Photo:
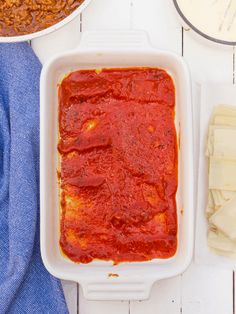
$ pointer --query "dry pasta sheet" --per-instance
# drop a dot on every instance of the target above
(216, 193)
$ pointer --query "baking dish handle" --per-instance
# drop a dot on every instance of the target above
(114, 289)
(125, 39)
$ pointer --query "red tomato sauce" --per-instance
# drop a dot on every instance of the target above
(119, 165)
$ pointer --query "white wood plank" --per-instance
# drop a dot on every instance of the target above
(208, 61)
(158, 18)
(107, 14)
(45, 47)
(165, 299)
(101, 307)
(71, 293)
(102, 15)
(63, 39)
(207, 290)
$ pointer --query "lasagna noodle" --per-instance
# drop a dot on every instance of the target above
(221, 206)
(222, 174)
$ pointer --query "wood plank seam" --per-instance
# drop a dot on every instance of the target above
(233, 271)
(233, 292)
(131, 14)
(81, 23)
(77, 298)
(233, 65)
(181, 288)
(181, 276)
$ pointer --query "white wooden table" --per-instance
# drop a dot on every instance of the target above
(200, 290)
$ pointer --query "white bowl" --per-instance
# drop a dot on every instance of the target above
(66, 20)
(213, 20)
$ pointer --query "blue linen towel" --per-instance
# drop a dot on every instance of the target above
(25, 285)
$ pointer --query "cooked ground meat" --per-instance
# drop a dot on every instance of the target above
(18, 17)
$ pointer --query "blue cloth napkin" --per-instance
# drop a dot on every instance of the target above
(25, 285)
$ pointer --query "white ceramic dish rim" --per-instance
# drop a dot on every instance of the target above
(46, 31)
(135, 279)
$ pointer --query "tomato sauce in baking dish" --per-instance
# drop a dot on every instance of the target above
(119, 165)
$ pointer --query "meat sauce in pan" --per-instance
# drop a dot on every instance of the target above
(20, 17)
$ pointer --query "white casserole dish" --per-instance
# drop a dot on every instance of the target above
(48, 30)
(99, 50)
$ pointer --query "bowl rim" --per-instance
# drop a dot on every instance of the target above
(48, 30)
(213, 39)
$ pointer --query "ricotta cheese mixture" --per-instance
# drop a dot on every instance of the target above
(214, 18)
